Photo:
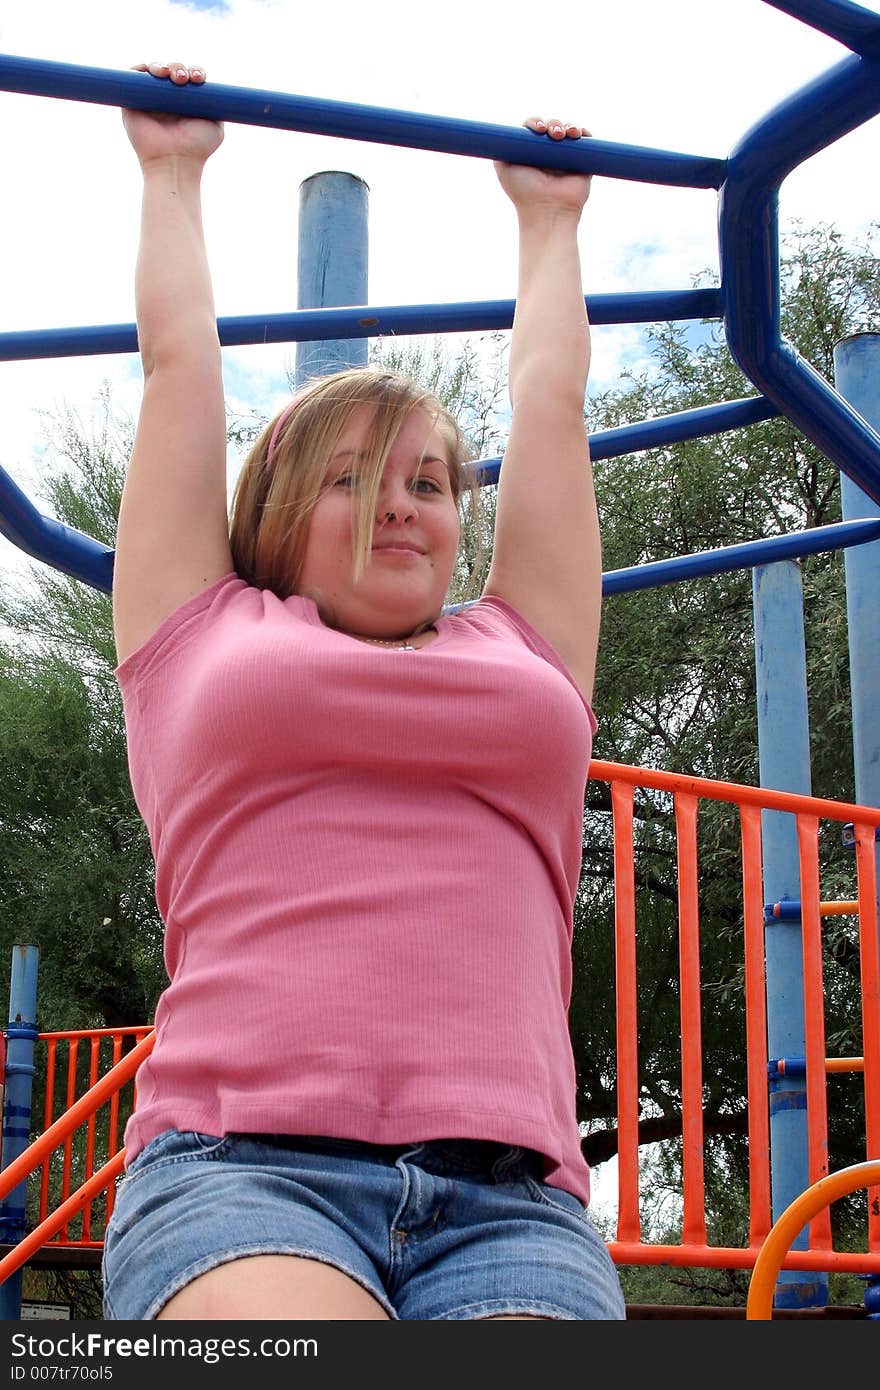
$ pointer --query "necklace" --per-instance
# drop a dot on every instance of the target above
(390, 642)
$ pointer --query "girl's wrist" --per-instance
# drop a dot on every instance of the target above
(544, 217)
(173, 166)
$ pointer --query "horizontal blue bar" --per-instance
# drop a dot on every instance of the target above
(728, 558)
(850, 24)
(787, 1066)
(363, 321)
(665, 429)
(788, 910)
(346, 121)
(21, 1030)
(84, 558)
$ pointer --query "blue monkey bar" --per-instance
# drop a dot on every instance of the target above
(748, 303)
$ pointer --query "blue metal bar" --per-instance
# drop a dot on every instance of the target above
(728, 558)
(374, 124)
(827, 108)
(665, 429)
(702, 421)
(364, 321)
(786, 1066)
(332, 267)
(852, 25)
(857, 373)
(86, 559)
(21, 1036)
(784, 763)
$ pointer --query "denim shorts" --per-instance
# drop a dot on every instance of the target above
(449, 1229)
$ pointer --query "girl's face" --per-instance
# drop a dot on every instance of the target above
(415, 540)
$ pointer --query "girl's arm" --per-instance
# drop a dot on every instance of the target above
(546, 559)
(173, 535)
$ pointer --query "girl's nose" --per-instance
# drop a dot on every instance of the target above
(395, 504)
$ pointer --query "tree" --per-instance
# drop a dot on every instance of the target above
(75, 865)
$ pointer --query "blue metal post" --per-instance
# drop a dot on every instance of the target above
(332, 265)
(857, 376)
(784, 761)
(21, 1034)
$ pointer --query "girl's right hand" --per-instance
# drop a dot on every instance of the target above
(158, 134)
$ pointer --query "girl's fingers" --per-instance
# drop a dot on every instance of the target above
(555, 128)
(178, 72)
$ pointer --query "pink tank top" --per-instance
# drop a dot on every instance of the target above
(366, 861)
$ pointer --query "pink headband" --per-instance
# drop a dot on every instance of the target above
(279, 426)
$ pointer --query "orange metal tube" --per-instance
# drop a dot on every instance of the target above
(48, 1109)
(759, 1305)
(130, 1029)
(90, 1138)
(814, 1020)
(869, 951)
(694, 1211)
(73, 1051)
(847, 908)
(760, 1210)
(628, 1219)
(741, 795)
(844, 1064)
(735, 1257)
(113, 1130)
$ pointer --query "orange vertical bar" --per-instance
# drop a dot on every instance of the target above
(95, 1047)
(760, 1206)
(628, 1222)
(73, 1047)
(694, 1211)
(869, 949)
(113, 1130)
(814, 1020)
(48, 1116)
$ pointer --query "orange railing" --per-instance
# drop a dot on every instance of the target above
(77, 1122)
(688, 796)
(64, 1085)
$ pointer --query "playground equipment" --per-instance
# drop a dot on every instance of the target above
(787, 1128)
(790, 1222)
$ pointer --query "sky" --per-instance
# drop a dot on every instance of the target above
(686, 75)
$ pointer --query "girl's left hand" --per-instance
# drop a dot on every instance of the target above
(527, 186)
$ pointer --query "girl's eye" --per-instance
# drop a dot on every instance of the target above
(427, 483)
(347, 480)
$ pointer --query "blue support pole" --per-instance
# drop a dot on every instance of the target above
(21, 1035)
(332, 265)
(857, 377)
(784, 762)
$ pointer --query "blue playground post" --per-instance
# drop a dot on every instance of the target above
(857, 374)
(332, 265)
(784, 762)
(21, 1034)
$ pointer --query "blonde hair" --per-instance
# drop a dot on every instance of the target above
(284, 474)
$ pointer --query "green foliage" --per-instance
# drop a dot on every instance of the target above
(75, 865)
